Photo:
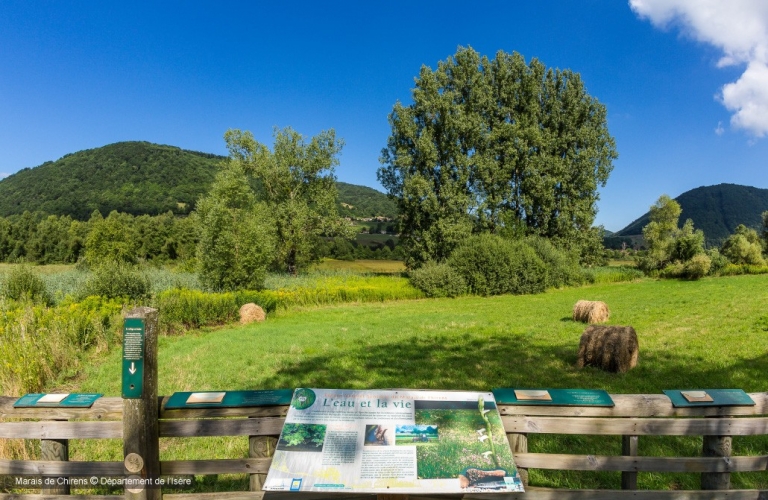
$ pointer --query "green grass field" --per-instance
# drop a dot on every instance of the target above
(711, 333)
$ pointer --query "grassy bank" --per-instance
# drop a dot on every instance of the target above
(706, 334)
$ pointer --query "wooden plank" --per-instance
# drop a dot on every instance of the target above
(221, 495)
(235, 466)
(260, 411)
(637, 426)
(629, 449)
(61, 430)
(269, 426)
(102, 409)
(55, 450)
(16, 496)
(53, 468)
(562, 494)
(641, 464)
(641, 405)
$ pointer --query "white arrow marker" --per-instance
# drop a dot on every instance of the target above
(132, 369)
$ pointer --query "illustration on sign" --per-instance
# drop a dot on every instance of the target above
(393, 442)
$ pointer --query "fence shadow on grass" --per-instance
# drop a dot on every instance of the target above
(481, 363)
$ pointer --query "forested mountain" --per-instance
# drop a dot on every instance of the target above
(716, 210)
(361, 201)
(131, 177)
(139, 178)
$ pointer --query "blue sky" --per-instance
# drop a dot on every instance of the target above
(83, 74)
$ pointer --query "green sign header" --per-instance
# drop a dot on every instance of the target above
(709, 397)
(553, 397)
(230, 399)
(69, 401)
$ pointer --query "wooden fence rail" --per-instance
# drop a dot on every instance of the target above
(635, 416)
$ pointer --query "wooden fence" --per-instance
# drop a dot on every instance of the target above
(633, 417)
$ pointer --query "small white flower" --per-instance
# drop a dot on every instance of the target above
(486, 454)
(481, 431)
(483, 438)
(485, 411)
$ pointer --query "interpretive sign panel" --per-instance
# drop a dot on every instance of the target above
(228, 399)
(394, 442)
(56, 400)
(133, 358)
(709, 397)
(553, 397)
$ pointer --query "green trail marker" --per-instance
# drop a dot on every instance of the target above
(133, 358)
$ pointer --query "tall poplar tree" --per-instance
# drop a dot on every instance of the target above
(496, 146)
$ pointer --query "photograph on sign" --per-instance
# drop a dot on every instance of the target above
(393, 442)
(52, 398)
(206, 397)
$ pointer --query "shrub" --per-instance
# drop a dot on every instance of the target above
(673, 270)
(116, 280)
(744, 249)
(612, 274)
(697, 267)
(491, 265)
(23, 284)
(562, 269)
(185, 309)
(717, 261)
(438, 280)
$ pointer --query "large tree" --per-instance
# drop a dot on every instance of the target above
(500, 146)
(296, 182)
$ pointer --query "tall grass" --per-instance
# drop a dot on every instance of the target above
(601, 275)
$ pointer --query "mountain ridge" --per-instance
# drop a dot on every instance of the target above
(140, 177)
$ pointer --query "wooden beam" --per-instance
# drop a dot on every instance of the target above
(61, 430)
(637, 426)
(234, 466)
(550, 461)
(269, 426)
(53, 468)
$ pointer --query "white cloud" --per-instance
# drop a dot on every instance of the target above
(719, 130)
(739, 28)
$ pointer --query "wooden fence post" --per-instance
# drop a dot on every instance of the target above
(519, 444)
(56, 450)
(716, 446)
(141, 445)
(629, 449)
(260, 447)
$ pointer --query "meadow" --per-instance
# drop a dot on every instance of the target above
(711, 333)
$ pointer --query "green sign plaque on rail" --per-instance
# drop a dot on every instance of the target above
(133, 358)
(228, 399)
(553, 397)
(73, 400)
(709, 397)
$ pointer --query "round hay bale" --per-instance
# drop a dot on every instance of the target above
(591, 311)
(251, 312)
(610, 348)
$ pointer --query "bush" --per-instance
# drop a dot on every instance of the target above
(438, 280)
(491, 265)
(562, 269)
(116, 280)
(697, 267)
(186, 309)
(673, 270)
(717, 261)
(619, 274)
(23, 284)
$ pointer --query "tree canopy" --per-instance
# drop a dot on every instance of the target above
(496, 146)
(295, 182)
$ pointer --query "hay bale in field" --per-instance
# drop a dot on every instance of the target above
(610, 348)
(591, 311)
(251, 312)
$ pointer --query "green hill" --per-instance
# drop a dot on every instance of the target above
(140, 178)
(716, 210)
(132, 177)
(361, 201)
